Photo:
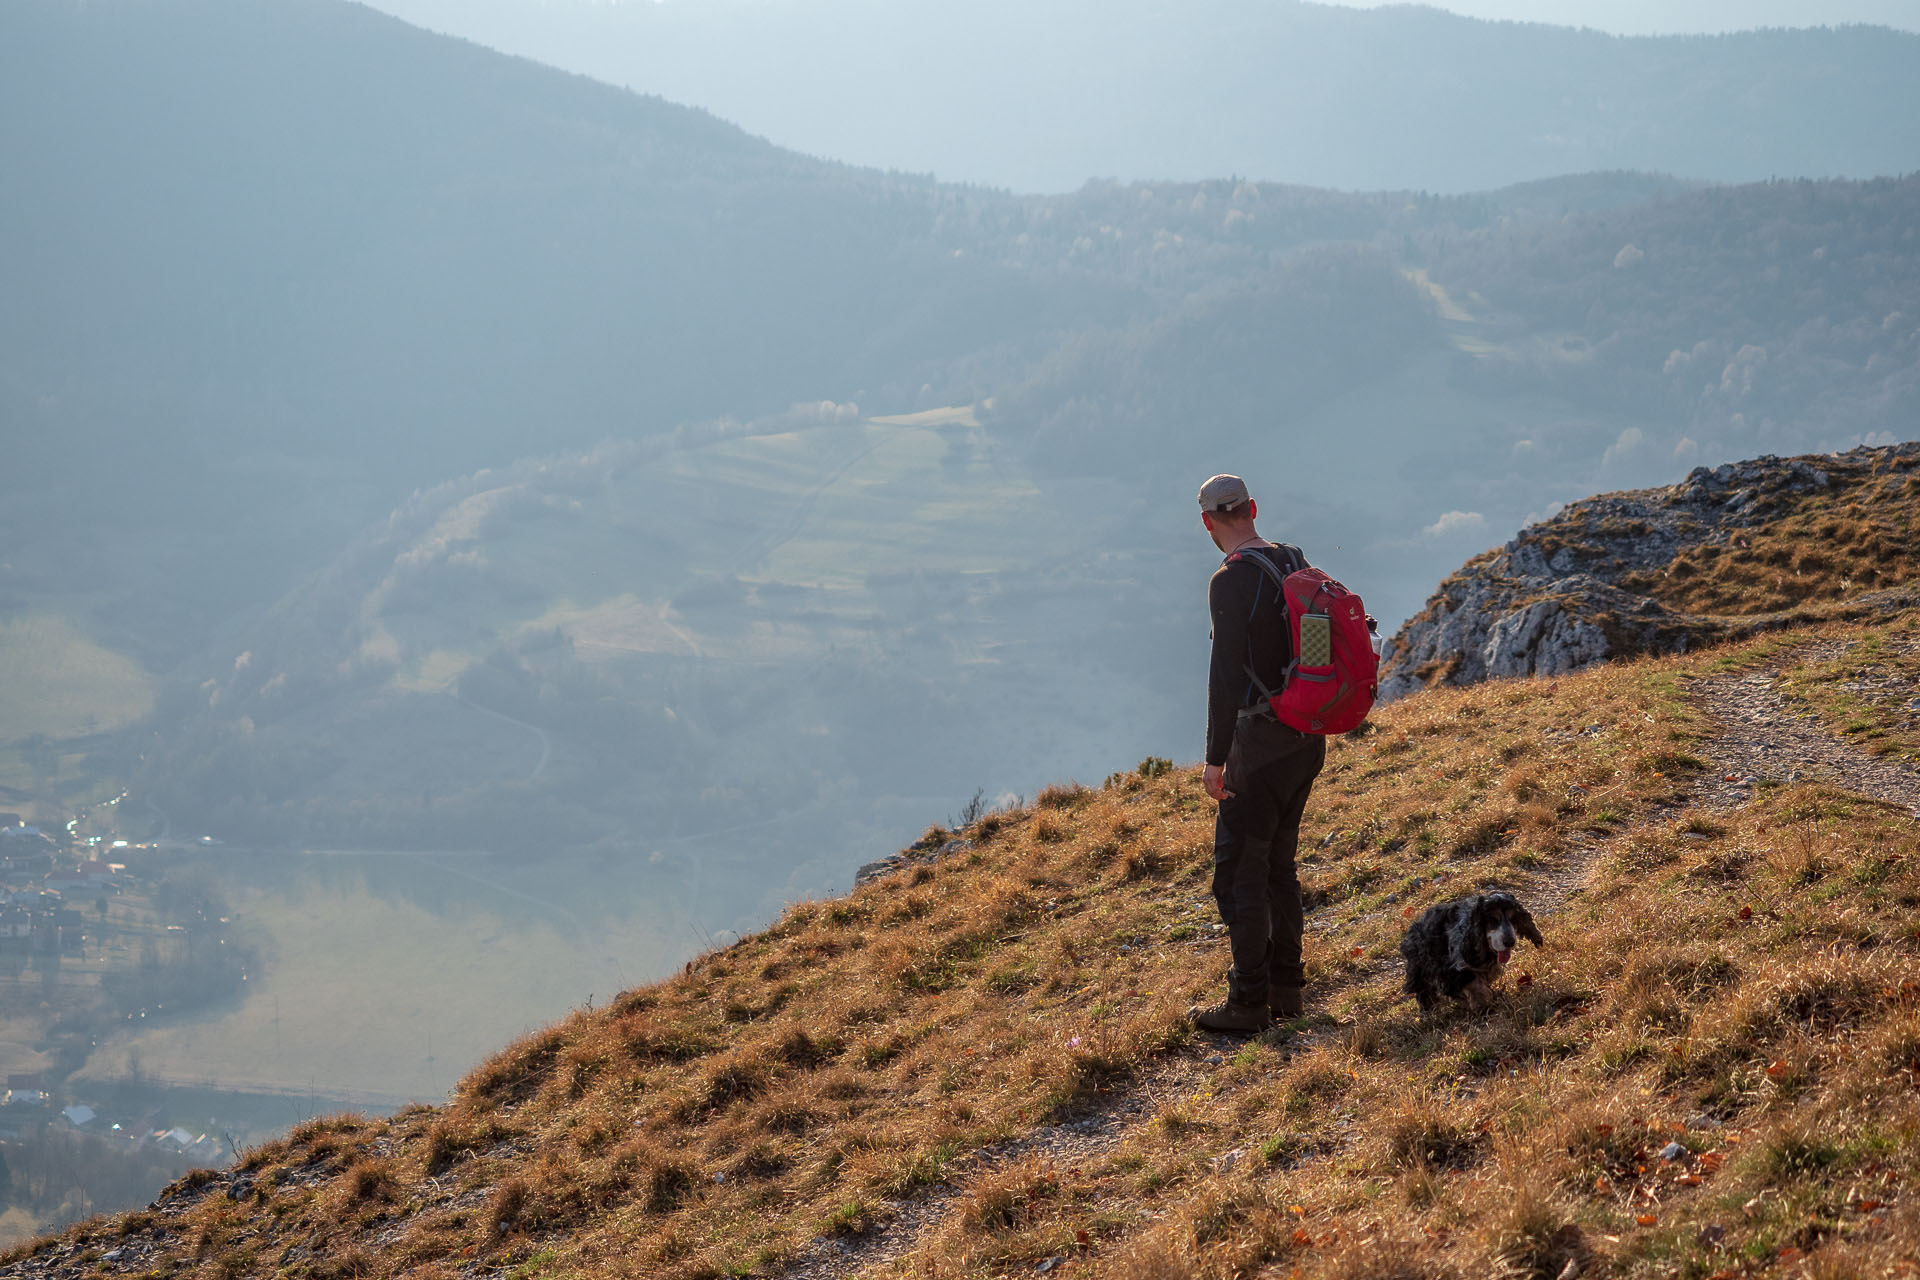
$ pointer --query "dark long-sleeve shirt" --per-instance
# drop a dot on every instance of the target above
(1249, 629)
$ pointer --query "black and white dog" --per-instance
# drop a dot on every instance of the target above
(1456, 949)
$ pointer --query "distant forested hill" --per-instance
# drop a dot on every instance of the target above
(1765, 318)
(1741, 318)
(1460, 367)
(272, 269)
(1043, 96)
(281, 263)
(301, 217)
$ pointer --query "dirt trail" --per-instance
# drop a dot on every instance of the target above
(1766, 737)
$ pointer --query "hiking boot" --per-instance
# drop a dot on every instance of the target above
(1286, 1003)
(1231, 1018)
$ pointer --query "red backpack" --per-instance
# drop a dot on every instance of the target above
(1334, 676)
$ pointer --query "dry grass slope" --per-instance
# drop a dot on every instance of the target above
(1713, 1069)
(1857, 535)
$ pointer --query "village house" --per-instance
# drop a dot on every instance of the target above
(202, 1147)
(91, 876)
(25, 850)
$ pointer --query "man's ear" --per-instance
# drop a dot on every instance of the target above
(1253, 509)
(1206, 519)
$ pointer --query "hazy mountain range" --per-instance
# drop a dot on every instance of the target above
(1044, 96)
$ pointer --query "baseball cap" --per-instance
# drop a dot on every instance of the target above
(1221, 492)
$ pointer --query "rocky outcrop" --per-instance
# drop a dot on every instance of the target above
(1586, 585)
(912, 856)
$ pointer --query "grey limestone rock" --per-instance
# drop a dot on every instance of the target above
(882, 867)
(1543, 639)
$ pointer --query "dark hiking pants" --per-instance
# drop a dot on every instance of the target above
(1254, 881)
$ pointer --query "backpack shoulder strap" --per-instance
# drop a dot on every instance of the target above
(1288, 554)
(1294, 561)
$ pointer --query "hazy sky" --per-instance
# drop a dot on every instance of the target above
(1659, 17)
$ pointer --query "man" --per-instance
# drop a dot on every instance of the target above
(1259, 769)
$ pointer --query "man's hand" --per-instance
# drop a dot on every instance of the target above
(1214, 779)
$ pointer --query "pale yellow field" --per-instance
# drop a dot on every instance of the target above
(56, 681)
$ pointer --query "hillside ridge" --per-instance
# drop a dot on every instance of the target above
(1289, 89)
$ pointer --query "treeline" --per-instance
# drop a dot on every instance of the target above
(1757, 319)
(1773, 316)
(1222, 365)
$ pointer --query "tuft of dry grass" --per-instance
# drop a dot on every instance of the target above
(370, 1179)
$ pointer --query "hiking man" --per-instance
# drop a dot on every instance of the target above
(1259, 769)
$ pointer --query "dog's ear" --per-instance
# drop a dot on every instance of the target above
(1524, 925)
(1467, 932)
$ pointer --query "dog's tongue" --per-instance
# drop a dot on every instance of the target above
(1505, 955)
